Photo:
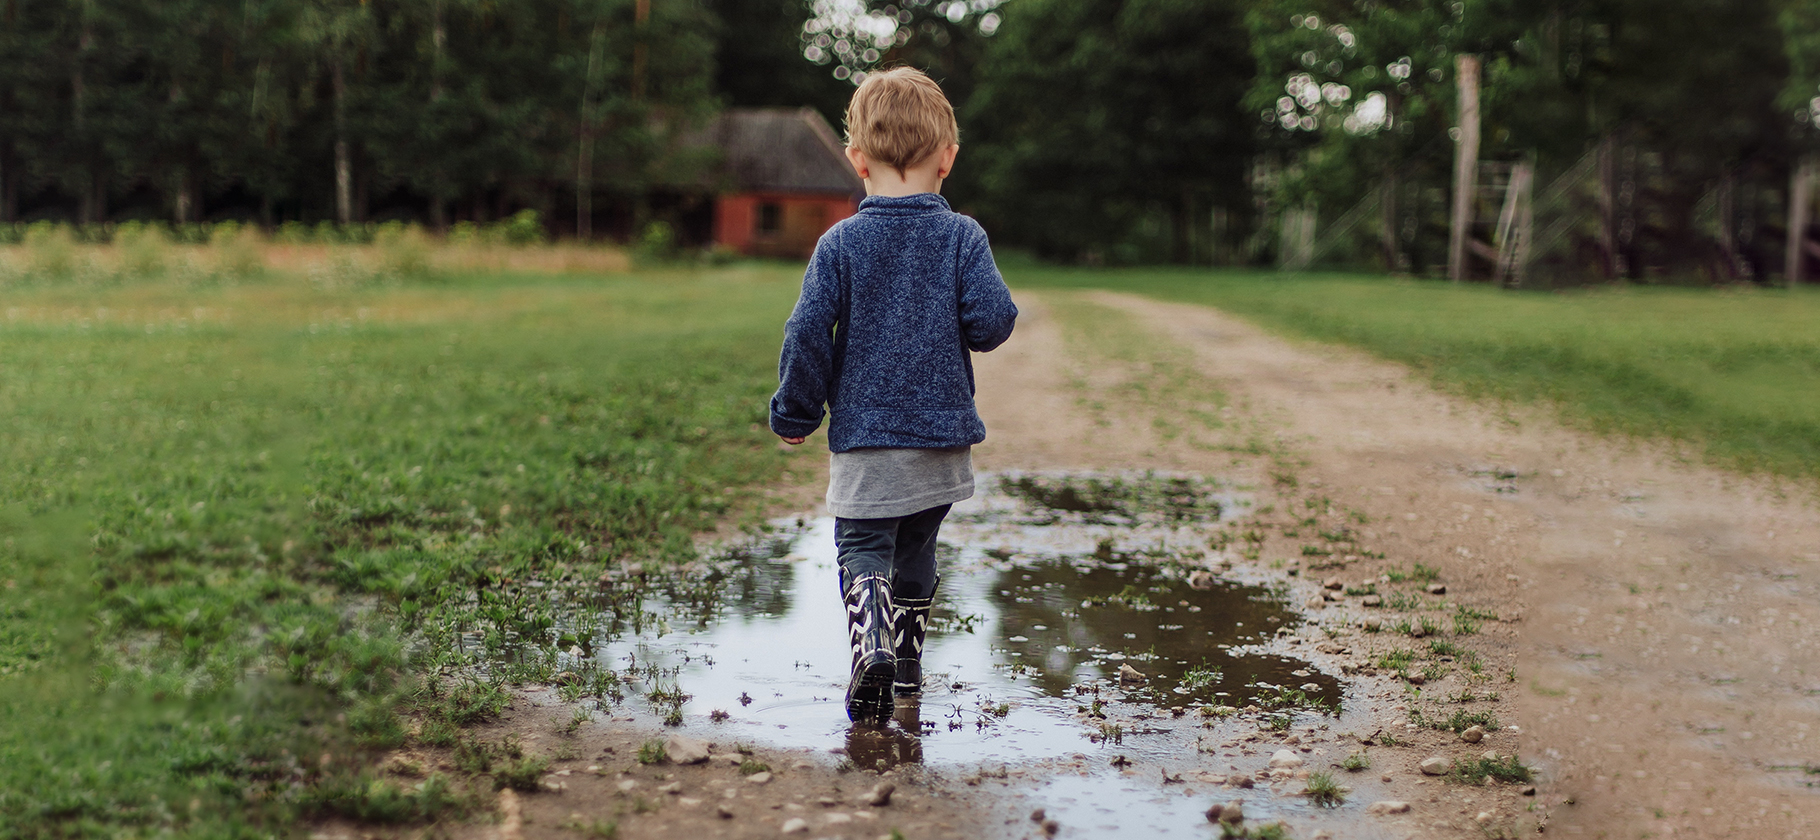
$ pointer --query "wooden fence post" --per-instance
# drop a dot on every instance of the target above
(1466, 164)
(1514, 226)
(1800, 204)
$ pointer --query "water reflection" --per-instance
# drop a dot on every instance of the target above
(1038, 613)
(1065, 621)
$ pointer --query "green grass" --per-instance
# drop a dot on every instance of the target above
(1476, 771)
(244, 525)
(1734, 372)
(1323, 790)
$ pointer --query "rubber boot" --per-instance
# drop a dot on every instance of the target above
(868, 599)
(910, 626)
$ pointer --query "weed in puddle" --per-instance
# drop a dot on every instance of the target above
(1200, 677)
(1323, 790)
(1478, 770)
(651, 752)
(1356, 762)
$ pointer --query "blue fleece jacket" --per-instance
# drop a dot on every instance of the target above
(894, 298)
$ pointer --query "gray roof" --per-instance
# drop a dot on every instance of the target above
(781, 150)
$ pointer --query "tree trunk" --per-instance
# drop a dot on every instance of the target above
(1182, 244)
(1800, 206)
(641, 16)
(78, 117)
(182, 200)
(1387, 219)
(1466, 165)
(439, 39)
(584, 152)
(344, 166)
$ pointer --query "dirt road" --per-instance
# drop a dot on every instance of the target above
(1667, 676)
(1638, 624)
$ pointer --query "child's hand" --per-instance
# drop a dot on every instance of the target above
(793, 441)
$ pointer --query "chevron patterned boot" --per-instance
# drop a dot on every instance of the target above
(868, 600)
(910, 625)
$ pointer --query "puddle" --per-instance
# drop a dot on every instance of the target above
(1050, 585)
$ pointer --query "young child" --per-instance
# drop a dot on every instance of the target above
(893, 300)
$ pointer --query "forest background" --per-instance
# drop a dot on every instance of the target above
(1663, 133)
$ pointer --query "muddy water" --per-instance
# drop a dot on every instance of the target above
(1050, 585)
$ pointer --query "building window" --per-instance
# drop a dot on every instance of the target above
(770, 219)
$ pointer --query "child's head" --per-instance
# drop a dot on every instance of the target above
(899, 118)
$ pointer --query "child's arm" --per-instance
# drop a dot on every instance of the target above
(987, 313)
(806, 365)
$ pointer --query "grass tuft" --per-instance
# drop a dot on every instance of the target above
(1323, 790)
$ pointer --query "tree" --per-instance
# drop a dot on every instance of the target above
(1091, 117)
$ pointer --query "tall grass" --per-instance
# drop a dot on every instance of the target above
(242, 524)
(1735, 372)
(44, 253)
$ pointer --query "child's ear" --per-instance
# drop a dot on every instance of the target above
(947, 160)
(858, 159)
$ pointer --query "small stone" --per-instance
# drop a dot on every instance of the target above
(1436, 765)
(1529, 791)
(1314, 601)
(1489, 755)
(724, 811)
(1372, 600)
(796, 825)
(827, 802)
(687, 801)
(1202, 579)
(759, 779)
(1130, 674)
(1285, 760)
(1242, 780)
(683, 750)
(838, 818)
(1329, 595)
(1320, 834)
(1050, 827)
(1484, 818)
(1388, 806)
(1213, 812)
(1473, 734)
(1038, 815)
(1437, 589)
(566, 678)
(881, 794)
(1385, 778)
(671, 788)
(628, 785)
(1233, 813)
(734, 759)
(1416, 679)
(1333, 583)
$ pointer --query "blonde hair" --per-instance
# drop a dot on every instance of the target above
(899, 117)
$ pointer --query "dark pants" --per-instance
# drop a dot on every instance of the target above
(900, 546)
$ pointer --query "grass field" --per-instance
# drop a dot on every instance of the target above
(246, 515)
(241, 522)
(1736, 373)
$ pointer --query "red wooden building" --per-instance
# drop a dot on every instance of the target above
(785, 181)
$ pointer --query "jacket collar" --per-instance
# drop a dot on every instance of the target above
(904, 205)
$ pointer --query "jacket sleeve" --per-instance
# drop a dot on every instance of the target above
(987, 313)
(805, 368)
